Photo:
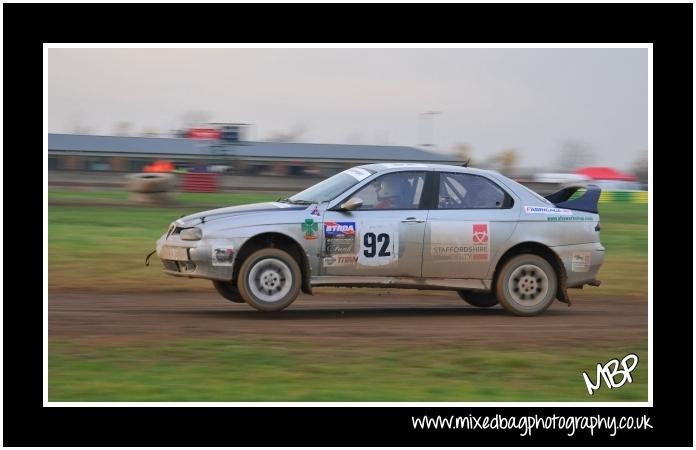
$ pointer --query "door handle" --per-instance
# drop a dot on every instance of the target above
(412, 220)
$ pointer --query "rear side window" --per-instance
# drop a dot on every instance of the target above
(465, 191)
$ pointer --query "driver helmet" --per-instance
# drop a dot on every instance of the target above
(388, 188)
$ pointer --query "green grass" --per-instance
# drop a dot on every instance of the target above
(243, 371)
(103, 248)
(183, 199)
(624, 229)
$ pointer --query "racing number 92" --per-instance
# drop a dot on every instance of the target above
(370, 241)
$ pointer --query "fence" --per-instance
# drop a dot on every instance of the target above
(623, 197)
(200, 182)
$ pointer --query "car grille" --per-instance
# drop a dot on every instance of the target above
(170, 265)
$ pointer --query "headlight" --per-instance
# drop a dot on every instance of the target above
(191, 234)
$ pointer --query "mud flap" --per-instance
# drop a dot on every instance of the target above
(306, 284)
(562, 292)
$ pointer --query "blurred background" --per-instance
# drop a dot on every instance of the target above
(541, 116)
(140, 137)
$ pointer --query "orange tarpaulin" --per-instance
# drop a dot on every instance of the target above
(160, 166)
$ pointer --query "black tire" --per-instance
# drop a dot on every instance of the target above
(479, 299)
(147, 183)
(228, 290)
(276, 277)
(526, 285)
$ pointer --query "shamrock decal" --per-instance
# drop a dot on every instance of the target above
(309, 228)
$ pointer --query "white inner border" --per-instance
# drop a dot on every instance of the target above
(649, 403)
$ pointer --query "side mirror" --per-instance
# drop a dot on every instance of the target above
(351, 204)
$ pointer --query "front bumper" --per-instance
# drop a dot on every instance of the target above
(196, 259)
(582, 263)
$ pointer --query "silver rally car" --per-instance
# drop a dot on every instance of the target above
(404, 225)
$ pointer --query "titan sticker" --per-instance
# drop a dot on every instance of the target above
(340, 260)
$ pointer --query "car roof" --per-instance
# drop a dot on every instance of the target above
(381, 167)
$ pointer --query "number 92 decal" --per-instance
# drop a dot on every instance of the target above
(371, 241)
(379, 244)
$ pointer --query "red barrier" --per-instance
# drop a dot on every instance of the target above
(200, 182)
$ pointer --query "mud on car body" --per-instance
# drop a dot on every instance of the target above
(404, 225)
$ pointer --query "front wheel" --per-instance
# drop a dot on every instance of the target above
(526, 285)
(269, 279)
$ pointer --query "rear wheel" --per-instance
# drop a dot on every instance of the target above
(526, 285)
(478, 299)
(269, 279)
(228, 290)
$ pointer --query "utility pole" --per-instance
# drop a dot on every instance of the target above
(430, 140)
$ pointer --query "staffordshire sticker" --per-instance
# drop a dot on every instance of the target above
(460, 241)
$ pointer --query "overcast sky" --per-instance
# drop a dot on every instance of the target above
(531, 100)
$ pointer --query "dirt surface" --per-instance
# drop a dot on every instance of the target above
(393, 317)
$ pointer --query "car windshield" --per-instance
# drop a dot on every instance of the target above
(331, 187)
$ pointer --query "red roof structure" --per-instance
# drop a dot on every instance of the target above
(605, 173)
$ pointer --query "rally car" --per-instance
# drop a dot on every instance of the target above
(401, 225)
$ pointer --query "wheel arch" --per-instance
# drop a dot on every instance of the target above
(275, 240)
(544, 251)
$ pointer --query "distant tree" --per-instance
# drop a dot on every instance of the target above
(77, 125)
(195, 118)
(122, 128)
(462, 152)
(504, 162)
(640, 168)
(574, 154)
(149, 132)
(354, 138)
(287, 136)
(82, 129)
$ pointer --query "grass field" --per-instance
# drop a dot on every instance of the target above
(103, 248)
(99, 248)
(182, 199)
(265, 371)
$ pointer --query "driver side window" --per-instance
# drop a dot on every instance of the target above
(398, 190)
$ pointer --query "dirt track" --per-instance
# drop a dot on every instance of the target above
(390, 318)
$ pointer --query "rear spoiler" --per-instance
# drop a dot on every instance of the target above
(586, 202)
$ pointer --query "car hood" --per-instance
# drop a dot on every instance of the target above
(230, 211)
